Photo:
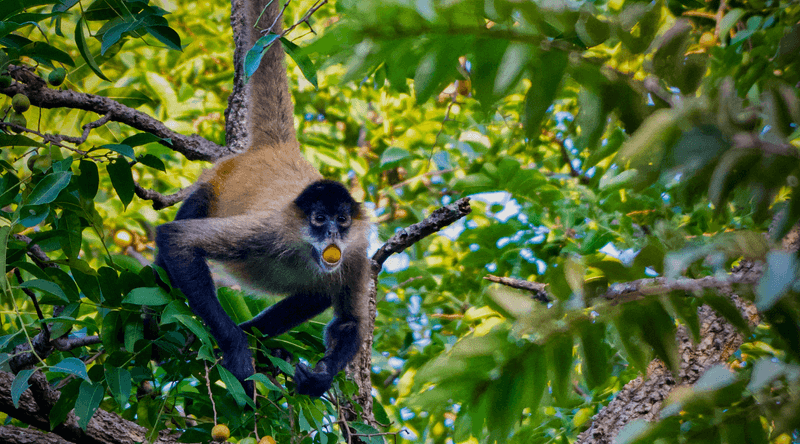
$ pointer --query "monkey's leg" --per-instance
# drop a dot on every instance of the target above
(343, 339)
(287, 314)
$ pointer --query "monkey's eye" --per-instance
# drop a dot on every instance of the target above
(318, 219)
(343, 220)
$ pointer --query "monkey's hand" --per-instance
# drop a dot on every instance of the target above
(239, 361)
(313, 382)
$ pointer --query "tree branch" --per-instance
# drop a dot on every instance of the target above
(103, 428)
(406, 237)
(193, 147)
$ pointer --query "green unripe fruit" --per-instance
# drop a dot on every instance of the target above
(5, 81)
(57, 76)
(248, 440)
(17, 119)
(20, 103)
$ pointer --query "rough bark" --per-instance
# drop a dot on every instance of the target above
(34, 409)
(643, 397)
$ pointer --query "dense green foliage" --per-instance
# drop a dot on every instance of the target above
(602, 142)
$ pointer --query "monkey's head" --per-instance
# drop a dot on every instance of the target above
(329, 211)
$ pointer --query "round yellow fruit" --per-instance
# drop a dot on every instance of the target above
(708, 39)
(332, 254)
(267, 440)
(220, 433)
(123, 238)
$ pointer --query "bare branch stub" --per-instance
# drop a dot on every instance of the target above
(406, 237)
(538, 290)
(161, 201)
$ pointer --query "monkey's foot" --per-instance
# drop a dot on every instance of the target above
(312, 382)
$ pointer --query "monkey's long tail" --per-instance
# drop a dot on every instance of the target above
(271, 120)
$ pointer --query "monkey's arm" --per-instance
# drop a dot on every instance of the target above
(342, 339)
(183, 246)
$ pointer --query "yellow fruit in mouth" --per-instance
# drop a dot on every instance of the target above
(332, 254)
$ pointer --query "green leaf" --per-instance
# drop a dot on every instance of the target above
(44, 53)
(20, 384)
(65, 403)
(560, 366)
(166, 35)
(595, 365)
(71, 224)
(88, 180)
(153, 162)
(433, 70)
(89, 285)
(777, 278)
(128, 97)
(473, 183)
(234, 304)
(88, 401)
(393, 155)
(121, 177)
(591, 30)
(658, 330)
(303, 61)
(47, 287)
(141, 139)
(17, 140)
(368, 434)
(729, 21)
(545, 80)
(73, 366)
(284, 366)
(715, 378)
(514, 61)
(120, 148)
(253, 57)
(234, 387)
(133, 333)
(262, 378)
(48, 188)
(83, 48)
(150, 296)
(119, 384)
(725, 307)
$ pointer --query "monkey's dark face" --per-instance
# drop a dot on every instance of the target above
(329, 210)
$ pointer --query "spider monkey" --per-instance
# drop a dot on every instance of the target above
(271, 219)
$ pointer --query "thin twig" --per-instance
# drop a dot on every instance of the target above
(210, 396)
(306, 17)
(31, 295)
